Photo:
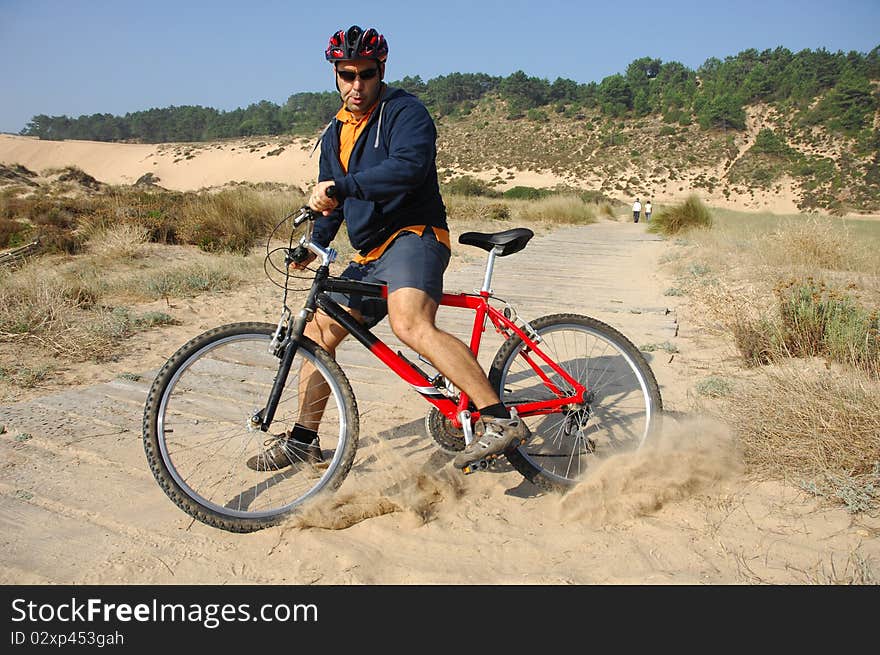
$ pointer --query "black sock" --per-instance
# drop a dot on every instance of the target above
(498, 410)
(303, 434)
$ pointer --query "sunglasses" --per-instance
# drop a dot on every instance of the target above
(350, 76)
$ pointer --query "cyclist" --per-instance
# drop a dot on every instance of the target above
(379, 152)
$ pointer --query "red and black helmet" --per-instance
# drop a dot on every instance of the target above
(355, 43)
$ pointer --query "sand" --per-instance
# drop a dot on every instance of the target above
(78, 504)
(294, 161)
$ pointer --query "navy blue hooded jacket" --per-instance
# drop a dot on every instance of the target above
(392, 174)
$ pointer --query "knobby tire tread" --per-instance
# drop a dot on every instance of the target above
(151, 437)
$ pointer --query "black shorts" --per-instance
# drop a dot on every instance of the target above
(411, 261)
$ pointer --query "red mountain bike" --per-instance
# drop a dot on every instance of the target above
(583, 388)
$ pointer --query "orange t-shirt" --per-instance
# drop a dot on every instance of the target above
(351, 129)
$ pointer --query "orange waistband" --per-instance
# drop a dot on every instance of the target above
(441, 234)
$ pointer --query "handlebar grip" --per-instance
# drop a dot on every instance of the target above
(306, 213)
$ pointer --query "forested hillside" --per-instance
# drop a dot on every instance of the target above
(753, 120)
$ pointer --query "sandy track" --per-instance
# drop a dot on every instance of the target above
(79, 505)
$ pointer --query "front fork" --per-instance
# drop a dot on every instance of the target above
(284, 344)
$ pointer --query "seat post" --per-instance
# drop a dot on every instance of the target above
(490, 268)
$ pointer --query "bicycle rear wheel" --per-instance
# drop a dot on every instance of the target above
(198, 435)
(622, 407)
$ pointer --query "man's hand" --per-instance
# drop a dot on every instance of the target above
(319, 201)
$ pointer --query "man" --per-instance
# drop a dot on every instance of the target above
(637, 209)
(379, 152)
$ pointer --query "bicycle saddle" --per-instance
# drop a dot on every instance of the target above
(511, 241)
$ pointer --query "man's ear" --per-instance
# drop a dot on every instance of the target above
(381, 71)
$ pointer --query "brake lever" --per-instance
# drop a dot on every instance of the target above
(304, 214)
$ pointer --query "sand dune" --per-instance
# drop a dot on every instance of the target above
(286, 160)
(179, 167)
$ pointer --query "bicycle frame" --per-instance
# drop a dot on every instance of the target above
(457, 412)
(479, 303)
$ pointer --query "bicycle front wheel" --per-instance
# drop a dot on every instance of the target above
(621, 408)
(198, 433)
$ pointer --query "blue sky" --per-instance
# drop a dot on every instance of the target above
(77, 57)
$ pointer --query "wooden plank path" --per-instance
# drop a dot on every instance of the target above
(60, 449)
(582, 270)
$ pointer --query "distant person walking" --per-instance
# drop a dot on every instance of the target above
(637, 210)
(648, 212)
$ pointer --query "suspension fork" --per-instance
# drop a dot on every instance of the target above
(295, 330)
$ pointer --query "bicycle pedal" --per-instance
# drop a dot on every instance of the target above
(479, 465)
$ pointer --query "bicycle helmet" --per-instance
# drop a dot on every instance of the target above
(355, 43)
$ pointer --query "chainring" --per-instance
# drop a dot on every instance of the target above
(448, 437)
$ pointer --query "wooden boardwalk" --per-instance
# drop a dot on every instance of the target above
(56, 445)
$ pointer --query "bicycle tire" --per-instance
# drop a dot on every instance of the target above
(197, 437)
(622, 413)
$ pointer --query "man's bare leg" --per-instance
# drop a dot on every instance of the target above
(313, 394)
(411, 313)
(313, 390)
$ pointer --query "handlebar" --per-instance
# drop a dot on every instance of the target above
(301, 253)
(306, 213)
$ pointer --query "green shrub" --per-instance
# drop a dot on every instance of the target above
(13, 233)
(818, 321)
(525, 193)
(469, 186)
(536, 115)
(190, 280)
(713, 387)
(666, 346)
(769, 143)
(596, 197)
(813, 321)
(691, 214)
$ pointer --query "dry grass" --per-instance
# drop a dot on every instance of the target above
(606, 210)
(562, 208)
(77, 308)
(815, 242)
(799, 299)
(42, 309)
(552, 209)
(124, 241)
(817, 427)
(476, 210)
(230, 220)
(689, 215)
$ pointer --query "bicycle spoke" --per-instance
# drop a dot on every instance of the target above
(203, 437)
(618, 406)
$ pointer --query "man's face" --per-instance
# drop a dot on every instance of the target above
(358, 94)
